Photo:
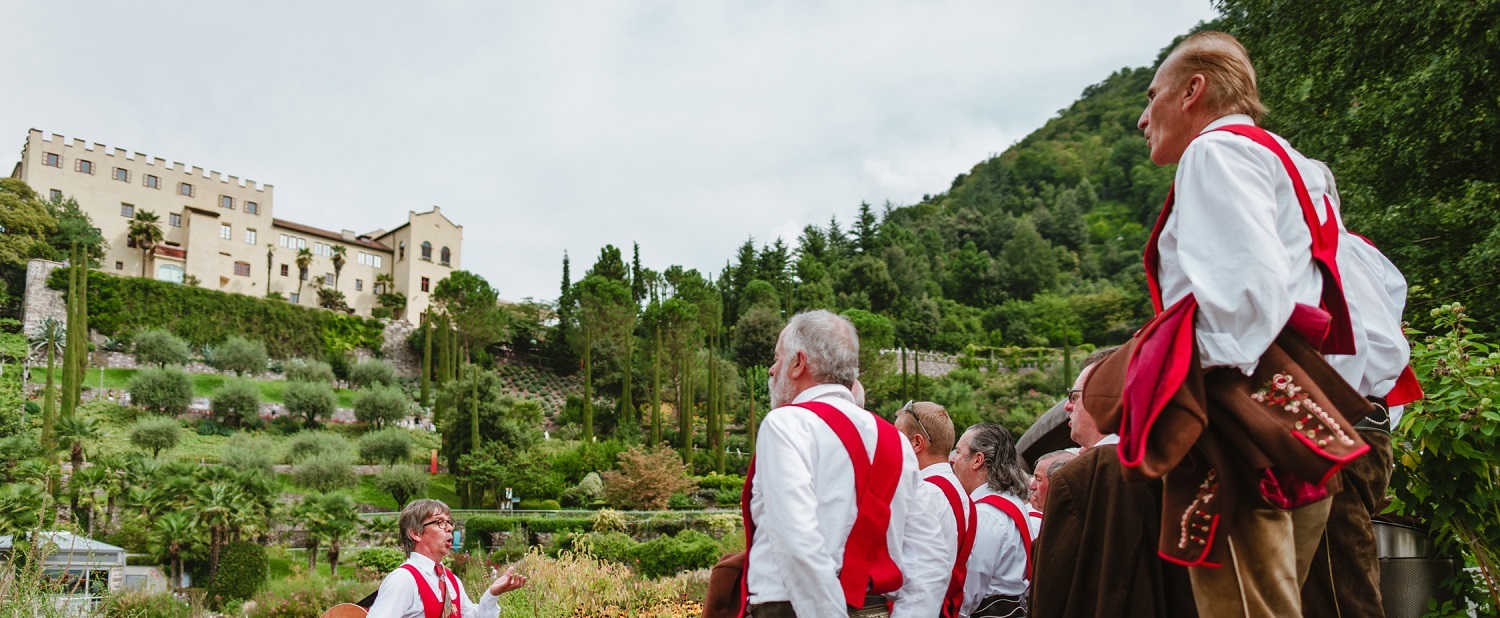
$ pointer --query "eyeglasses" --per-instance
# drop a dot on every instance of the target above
(1075, 394)
(441, 523)
(909, 409)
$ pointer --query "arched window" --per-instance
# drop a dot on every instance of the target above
(447, 256)
(400, 251)
(427, 251)
(170, 273)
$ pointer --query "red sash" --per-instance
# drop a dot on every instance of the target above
(1325, 246)
(954, 598)
(431, 606)
(867, 564)
(1010, 508)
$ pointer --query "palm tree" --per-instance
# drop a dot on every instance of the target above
(83, 489)
(49, 338)
(386, 283)
(170, 537)
(217, 506)
(339, 251)
(21, 507)
(145, 231)
(340, 520)
(74, 430)
(304, 261)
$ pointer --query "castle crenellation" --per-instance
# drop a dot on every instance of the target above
(120, 154)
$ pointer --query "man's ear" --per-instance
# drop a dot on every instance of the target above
(1194, 90)
(798, 366)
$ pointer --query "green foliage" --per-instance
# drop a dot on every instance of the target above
(687, 551)
(388, 446)
(585, 493)
(21, 507)
(733, 482)
(502, 418)
(612, 546)
(204, 316)
(243, 571)
(403, 483)
(1447, 450)
(163, 391)
(305, 370)
(245, 452)
(240, 355)
(376, 562)
(372, 372)
(141, 604)
(161, 348)
(754, 340)
(309, 444)
(326, 472)
(609, 520)
(237, 402)
(381, 405)
(310, 400)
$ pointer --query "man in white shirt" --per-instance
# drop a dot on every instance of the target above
(1236, 239)
(422, 587)
(1040, 478)
(802, 497)
(987, 464)
(930, 430)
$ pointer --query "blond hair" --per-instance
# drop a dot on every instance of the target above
(1221, 59)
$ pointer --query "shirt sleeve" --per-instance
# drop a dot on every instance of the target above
(924, 550)
(788, 524)
(1230, 251)
(397, 593)
(487, 607)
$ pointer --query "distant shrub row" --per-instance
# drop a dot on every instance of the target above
(120, 305)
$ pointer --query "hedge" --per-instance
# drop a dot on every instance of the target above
(477, 529)
(119, 305)
(243, 571)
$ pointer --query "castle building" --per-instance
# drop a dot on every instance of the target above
(220, 232)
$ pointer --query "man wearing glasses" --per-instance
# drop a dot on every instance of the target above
(422, 587)
(929, 430)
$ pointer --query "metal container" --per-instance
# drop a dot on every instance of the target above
(1398, 541)
(1409, 574)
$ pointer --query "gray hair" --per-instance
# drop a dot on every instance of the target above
(1059, 459)
(1099, 355)
(830, 343)
(414, 515)
(1006, 472)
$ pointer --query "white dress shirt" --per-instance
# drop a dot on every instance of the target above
(998, 562)
(936, 501)
(399, 598)
(803, 505)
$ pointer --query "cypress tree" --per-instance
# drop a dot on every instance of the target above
(426, 361)
(656, 388)
(588, 384)
(70, 350)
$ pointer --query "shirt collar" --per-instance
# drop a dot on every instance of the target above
(983, 490)
(1113, 438)
(423, 563)
(943, 468)
(1227, 120)
(825, 390)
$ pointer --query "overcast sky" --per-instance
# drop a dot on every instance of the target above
(546, 127)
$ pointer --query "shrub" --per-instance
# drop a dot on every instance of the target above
(380, 405)
(305, 596)
(611, 546)
(304, 370)
(243, 570)
(533, 504)
(155, 434)
(389, 446)
(477, 530)
(609, 520)
(646, 479)
(325, 473)
(244, 453)
(161, 348)
(142, 604)
(211, 427)
(310, 400)
(378, 561)
(723, 481)
(310, 444)
(240, 355)
(402, 483)
(667, 555)
(164, 391)
(372, 372)
(237, 402)
(585, 493)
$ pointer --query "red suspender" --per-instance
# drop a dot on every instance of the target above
(1010, 508)
(431, 607)
(867, 563)
(1325, 246)
(954, 598)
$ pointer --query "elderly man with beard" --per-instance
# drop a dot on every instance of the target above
(832, 521)
(422, 587)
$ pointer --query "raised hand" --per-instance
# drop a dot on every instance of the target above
(508, 581)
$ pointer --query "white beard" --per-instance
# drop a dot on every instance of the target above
(780, 390)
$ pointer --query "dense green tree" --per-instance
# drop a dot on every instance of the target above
(312, 401)
(389, 446)
(240, 355)
(381, 405)
(155, 433)
(161, 348)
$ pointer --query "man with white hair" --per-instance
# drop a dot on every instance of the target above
(830, 500)
(422, 587)
(1041, 478)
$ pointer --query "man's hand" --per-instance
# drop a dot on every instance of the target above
(507, 582)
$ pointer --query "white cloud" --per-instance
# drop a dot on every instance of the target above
(544, 127)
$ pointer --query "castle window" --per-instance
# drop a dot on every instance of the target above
(242, 269)
(127, 210)
(226, 202)
(122, 174)
(249, 237)
(84, 165)
(56, 195)
(171, 273)
(400, 251)
(285, 270)
(424, 284)
(359, 285)
(427, 251)
(52, 159)
(225, 231)
(295, 298)
(152, 182)
(185, 189)
(252, 208)
(174, 219)
(447, 256)
(328, 279)
(119, 265)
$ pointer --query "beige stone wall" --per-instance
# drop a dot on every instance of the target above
(411, 267)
